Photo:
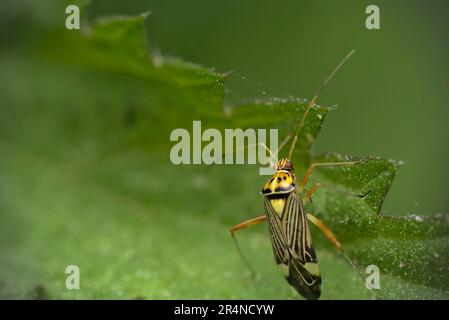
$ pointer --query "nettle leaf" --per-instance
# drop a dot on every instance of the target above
(412, 250)
(87, 180)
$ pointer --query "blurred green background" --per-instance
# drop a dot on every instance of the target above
(392, 95)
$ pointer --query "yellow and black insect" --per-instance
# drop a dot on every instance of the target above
(288, 222)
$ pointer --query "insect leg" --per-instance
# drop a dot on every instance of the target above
(308, 197)
(243, 225)
(310, 193)
(322, 164)
(327, 232)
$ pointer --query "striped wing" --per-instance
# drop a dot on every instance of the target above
(292, 246)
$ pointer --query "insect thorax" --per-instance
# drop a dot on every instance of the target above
(282, 182)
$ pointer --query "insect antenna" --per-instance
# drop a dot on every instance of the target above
(312, 102)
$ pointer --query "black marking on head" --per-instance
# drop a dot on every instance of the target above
(278, 196)
(282, 189)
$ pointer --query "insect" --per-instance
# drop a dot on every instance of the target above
(284, 197)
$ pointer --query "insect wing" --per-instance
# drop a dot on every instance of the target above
(292, 246)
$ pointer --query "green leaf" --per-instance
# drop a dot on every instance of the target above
(87, 180)
(411, 250)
